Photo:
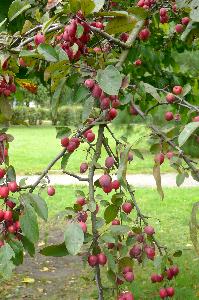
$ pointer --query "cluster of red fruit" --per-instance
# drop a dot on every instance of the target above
(146, 4)
(7, 86)
(105, 101)
(7, 219)
(71, 43)
(169, 275)
(170, 98)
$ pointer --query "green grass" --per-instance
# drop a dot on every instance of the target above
(171, 221)
(34, 147)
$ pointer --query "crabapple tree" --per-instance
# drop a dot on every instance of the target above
(126, 62)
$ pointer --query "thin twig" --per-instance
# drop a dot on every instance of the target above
(76, 176)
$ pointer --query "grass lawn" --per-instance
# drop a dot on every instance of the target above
(170, 219)
(34, 147)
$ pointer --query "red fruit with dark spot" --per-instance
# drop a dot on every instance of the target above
(22, 62)
(115, 222)
(126, 296)
(10, 204)
(83, 226)
(169, 274)
(149, 230)
(177, 90)
(163, 11)
(1, 215)
(92, 260)
(51, 191)
(96, 91)
(160, 278)
(159, 158)
(75, 140)
(115, 103)
(112, 114)
(13, 187)
(86, 132)
(124, 37)
(135, 251)
(65, 141)
(90, 137)
(4, 191)
(163, 293)
(170, 98)
(154, 278)
(107, 189)
(127, 207)
(109, 162)
(170, 291)
(127, 269)
(111, 245)
(175, 270)
(130, 156)
(82, 216)
(2, 173)
(115, 184)
(140, 238)
(150, 252)
(7, 93)
(102, 259)
(129, 276)
(105, 103)
(105, 180)
(179, 28)
(39, 39)
(144, 34)
(83, 168)
(71, 147)
(12, 87)
(119, 281)
(81, 201)
(17, 225)
(169, 116)
(185, 21)
(89, 83)
(7, 215)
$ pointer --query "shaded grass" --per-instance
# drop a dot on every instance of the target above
(34, 147)
(170, 219)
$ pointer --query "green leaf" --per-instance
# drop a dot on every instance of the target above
(40, 206)
(17, 8)
(74, 238)
(139, 12)
(57, 96)
(5, 108)
(6, 264)
(87, 6)
(180, 179)
(28, 246)
(28, 53)
(110, 213)
(125, 262)
(62, 132)
(157, 176)
(177, 253)
(138, 153)
(152, 91)
(18, 250)
(11, 174)
(107, 238)
(119, 229)
(55, 250)
(194, 226)
(48, 52)
(187, 132)
(64, 160)
(121, 173)
(120, 24)
(80, 30)
(75, 5)
(29, 224)
(110, 80)
(111, 260)
(87, 108)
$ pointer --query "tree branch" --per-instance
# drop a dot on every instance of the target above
(92, 199)
(76, 176)
(130, 41)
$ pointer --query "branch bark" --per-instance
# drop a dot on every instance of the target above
(92, 199)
